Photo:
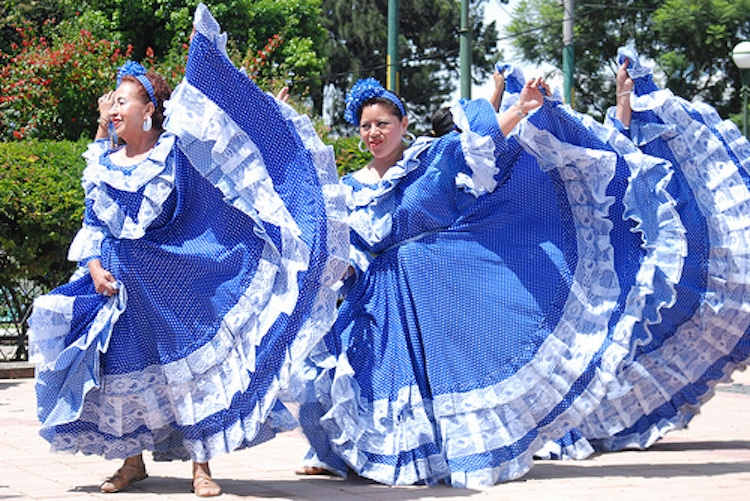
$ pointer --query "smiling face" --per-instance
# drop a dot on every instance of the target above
(129, 110)
(382, 131)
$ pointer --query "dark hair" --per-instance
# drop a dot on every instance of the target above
(442, 122)
(161, 93)
(392, 107)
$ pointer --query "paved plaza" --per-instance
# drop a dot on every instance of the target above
(710, 460)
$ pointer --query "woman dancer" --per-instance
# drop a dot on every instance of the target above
(478, 327)
(702, 335)
(692, 332)
(205, 272)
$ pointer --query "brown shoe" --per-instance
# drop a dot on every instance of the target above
(313, 471)
(124, 478)
(204, 486)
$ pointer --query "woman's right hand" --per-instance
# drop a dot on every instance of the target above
(104, 281)
(105, 103)
(624, 87)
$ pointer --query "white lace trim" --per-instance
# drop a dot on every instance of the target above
(50, 324)
(87, 243)
(479, 154)
(155, 175)
(723, 320)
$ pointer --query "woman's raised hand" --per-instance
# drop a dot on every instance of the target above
(105, 103)
(532, 94)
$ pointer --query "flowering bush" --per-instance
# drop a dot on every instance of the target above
(258, 64)
(49, 85)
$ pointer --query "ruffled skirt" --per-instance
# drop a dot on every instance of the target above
(458, 356)
(218, 305)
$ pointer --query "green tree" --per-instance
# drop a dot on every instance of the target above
(32, 12)
(428, 47)
(54, 69)
(688, 42)
(164, 26)
(49, 85)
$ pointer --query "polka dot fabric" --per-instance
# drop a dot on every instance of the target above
(226, 244)
(487, 329)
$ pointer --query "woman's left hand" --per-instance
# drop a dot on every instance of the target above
(532, 94)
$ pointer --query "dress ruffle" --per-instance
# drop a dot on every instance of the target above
(393, 404)
(227, 285)
(701, 337)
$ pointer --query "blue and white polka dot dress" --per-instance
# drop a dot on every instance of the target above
(497, 304)
(699, 338)
(226, 243)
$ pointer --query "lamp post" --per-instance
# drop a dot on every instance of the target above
(741, 57)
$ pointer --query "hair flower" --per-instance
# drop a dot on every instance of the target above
(137, 70)
(363, 90)
(130, 68)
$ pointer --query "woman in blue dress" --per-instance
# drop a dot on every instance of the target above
(692, 331)
(208, 250)
(702, 335)
(491, 263)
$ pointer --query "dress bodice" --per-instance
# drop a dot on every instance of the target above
(437, 182)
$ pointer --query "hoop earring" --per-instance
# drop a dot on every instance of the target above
(147, 124)
(361, 146)
(409, 137)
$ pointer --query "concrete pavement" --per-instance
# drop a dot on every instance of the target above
(709, 460)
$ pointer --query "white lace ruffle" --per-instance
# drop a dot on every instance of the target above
(50, 324)
(479, 154)
(723, 320)
(154, 175)
(87, 243)
(648, 203)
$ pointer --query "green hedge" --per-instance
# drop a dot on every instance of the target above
(41, 206)
(40, 212)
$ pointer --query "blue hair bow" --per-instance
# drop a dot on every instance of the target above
(137, 70)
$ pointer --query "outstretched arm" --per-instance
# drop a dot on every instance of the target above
(497, 93)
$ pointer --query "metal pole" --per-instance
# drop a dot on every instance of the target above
(465, 50)
(745, 91)
(568, 51)
(392, 69)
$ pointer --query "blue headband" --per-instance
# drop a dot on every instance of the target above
(139, 73)
(361, 92)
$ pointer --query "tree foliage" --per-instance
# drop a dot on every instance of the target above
(52, 69)
(428, 47)
(688, 42)
(49, 84)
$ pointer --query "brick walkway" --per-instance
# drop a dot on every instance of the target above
(710, 460)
